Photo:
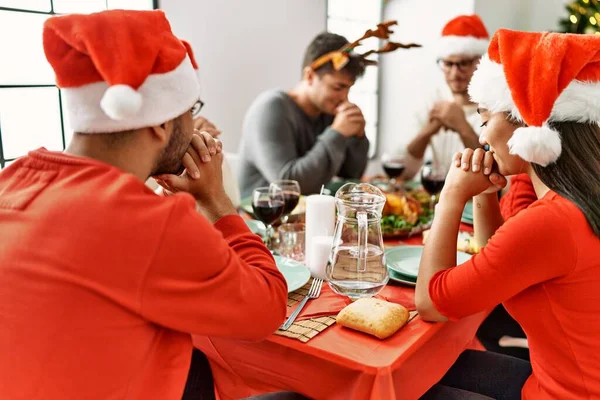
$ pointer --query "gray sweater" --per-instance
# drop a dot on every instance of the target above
(279, 141)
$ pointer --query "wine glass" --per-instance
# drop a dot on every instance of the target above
(393, 166)
(433, 177)
(267, 204)
(291, 195)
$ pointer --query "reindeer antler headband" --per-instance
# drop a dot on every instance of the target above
(339, 58)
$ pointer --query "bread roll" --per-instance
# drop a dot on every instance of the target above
(373, 316)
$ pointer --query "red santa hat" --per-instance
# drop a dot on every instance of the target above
(120, 70)
(540, 77)
(463, 35)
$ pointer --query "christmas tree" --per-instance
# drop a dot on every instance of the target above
(583, 17)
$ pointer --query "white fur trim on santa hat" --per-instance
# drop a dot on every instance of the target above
(489, 88)
(121, 102)
(163, 97)
(461, 45)
(539, 145)
(579, 102)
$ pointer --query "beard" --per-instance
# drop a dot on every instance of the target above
(170, 160)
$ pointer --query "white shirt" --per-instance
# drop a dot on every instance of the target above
(443, 144)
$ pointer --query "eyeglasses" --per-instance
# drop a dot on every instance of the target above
(463, 65)
(196, 108)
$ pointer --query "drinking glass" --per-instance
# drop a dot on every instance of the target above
(433, 177)
(291, 241)
(267, 204)
(393, 166)
(291, 195)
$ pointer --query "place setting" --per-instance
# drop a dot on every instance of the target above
(335, 258)
(336, 255)
(403, 263)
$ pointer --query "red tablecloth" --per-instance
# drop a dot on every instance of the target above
(340, 363)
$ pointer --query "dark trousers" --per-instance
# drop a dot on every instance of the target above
(199, 385)
(482, 375)
(499, 323)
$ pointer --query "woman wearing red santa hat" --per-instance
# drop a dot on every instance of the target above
(538, 97)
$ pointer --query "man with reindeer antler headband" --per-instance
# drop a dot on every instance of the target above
(312, 133)
(448, 122)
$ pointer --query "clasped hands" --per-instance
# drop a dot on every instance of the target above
(472, 172)
(202, 176)
(447, 114)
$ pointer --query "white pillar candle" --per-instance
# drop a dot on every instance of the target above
(319, 255)
(320, 219)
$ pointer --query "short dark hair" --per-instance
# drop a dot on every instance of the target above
(327, 42)
(575, 174)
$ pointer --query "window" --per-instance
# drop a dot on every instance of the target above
(32, 113)
(351, 18)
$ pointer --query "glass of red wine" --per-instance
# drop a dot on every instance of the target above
(291, 196)
(393, 167)
(268, 204)
(433, 176)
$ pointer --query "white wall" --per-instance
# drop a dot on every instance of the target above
(543, 15)
(510, 14)
(530, 15)
(244, 47)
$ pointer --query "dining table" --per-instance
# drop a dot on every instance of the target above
(341, 363)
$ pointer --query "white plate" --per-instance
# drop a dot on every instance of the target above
(296, 274)
(406, 259)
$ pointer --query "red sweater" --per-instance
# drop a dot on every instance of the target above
(520, 195)
(544, 265)
(102, 282)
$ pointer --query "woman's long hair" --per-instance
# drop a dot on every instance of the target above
(576, 173)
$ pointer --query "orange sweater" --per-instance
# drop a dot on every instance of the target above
(544, 265)
(102, 282)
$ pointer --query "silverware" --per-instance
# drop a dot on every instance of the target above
(313, 293)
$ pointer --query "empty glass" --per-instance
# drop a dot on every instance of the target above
(291, 241)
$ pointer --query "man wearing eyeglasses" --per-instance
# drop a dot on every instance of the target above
(450, 123)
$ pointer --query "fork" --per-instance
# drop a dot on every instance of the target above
(313, 293)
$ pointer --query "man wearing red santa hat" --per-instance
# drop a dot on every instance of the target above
(538, 97)
(102, 282)
(449, 121)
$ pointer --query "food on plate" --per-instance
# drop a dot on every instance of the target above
(405, 210)
(465, 242)
(374, 316)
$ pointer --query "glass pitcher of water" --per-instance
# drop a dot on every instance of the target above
(356, 266)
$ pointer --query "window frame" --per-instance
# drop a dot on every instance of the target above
(4, 160)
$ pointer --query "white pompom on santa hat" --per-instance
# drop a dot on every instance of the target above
(540, 78)
(120, 70)
(463, 35)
